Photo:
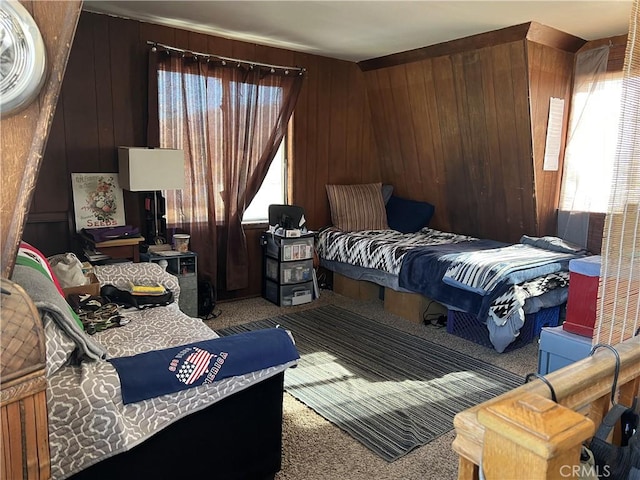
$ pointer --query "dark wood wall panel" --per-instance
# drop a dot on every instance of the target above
(453, 130)
(333, 141)
(550, 75)
(104, 105)
(78, 103)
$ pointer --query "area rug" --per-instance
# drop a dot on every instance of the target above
(390, 390)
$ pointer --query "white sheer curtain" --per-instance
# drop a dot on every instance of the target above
(591, 144)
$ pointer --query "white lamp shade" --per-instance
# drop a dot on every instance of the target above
(147, 169)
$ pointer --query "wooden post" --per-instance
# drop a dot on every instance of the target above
(533, 437)
(467, 470)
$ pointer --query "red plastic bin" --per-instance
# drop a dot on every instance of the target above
(582, 303)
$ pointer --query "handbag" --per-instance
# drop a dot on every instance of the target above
(68, 269)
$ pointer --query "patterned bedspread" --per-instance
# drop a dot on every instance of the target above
(379, 249)
(421, 260)
(482, 271)
(88, 421)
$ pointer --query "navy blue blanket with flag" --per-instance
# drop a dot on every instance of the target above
(159, 372)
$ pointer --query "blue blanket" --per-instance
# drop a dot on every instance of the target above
(159, 372)
(423, 269)
(481, 271)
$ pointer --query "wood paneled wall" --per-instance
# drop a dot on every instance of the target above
(103, 105)
(461, 125)
(550, 75)
(454, 127)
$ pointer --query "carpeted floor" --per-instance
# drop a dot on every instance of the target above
(315, 449)
(390, 390)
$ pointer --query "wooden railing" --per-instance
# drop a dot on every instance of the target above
(523, 434)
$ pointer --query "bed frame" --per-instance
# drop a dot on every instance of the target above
(236, 438)
(239, 437)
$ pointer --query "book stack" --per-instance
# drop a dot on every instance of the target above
(146, 289)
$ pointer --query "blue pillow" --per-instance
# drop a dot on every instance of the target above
(408, 216)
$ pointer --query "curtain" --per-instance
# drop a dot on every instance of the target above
(619, 288)
(229, 117)
(591, 143)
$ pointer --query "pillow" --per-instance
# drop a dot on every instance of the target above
(553, 244)
(408, 216)
(357, 207)
(387, 191)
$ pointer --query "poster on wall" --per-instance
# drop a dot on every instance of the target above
(554, 135)
(97, 200)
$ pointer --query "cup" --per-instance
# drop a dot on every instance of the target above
(181, 242)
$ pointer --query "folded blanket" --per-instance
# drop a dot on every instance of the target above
(48, 300)
(554, 244)
(512, 302)
(482, 271)
(159, 372)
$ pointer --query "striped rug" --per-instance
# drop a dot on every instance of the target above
(390, 390)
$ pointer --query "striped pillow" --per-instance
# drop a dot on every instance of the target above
(357, 207)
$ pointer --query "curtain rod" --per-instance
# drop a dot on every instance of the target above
(224, 59)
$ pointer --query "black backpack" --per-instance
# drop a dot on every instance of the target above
(125, 298)
(618, 462)
(206, 300)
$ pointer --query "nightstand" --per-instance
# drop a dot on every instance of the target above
(185, 267)
(287, 269)
(117, 248)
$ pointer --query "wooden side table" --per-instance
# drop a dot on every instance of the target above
(116, 248)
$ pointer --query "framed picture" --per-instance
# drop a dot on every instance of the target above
(97, 200)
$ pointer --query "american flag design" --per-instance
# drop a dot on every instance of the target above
(194, 366)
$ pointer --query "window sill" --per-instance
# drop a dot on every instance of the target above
(261, 225)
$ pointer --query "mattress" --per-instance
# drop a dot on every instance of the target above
(417, 263)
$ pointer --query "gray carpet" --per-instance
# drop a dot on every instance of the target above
(390, 390)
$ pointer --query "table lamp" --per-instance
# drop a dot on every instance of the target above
(143, 169)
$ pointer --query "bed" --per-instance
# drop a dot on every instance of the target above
(391, 246)
(229, 428)
(418, 262)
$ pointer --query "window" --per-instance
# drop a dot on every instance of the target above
(592, 141)
(272, 191)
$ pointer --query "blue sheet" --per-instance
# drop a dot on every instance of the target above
(423, 268)
(159, 372)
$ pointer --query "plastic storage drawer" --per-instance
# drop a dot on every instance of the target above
(289, 249)
(559, 348)
(289, 272)
(288, 295)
